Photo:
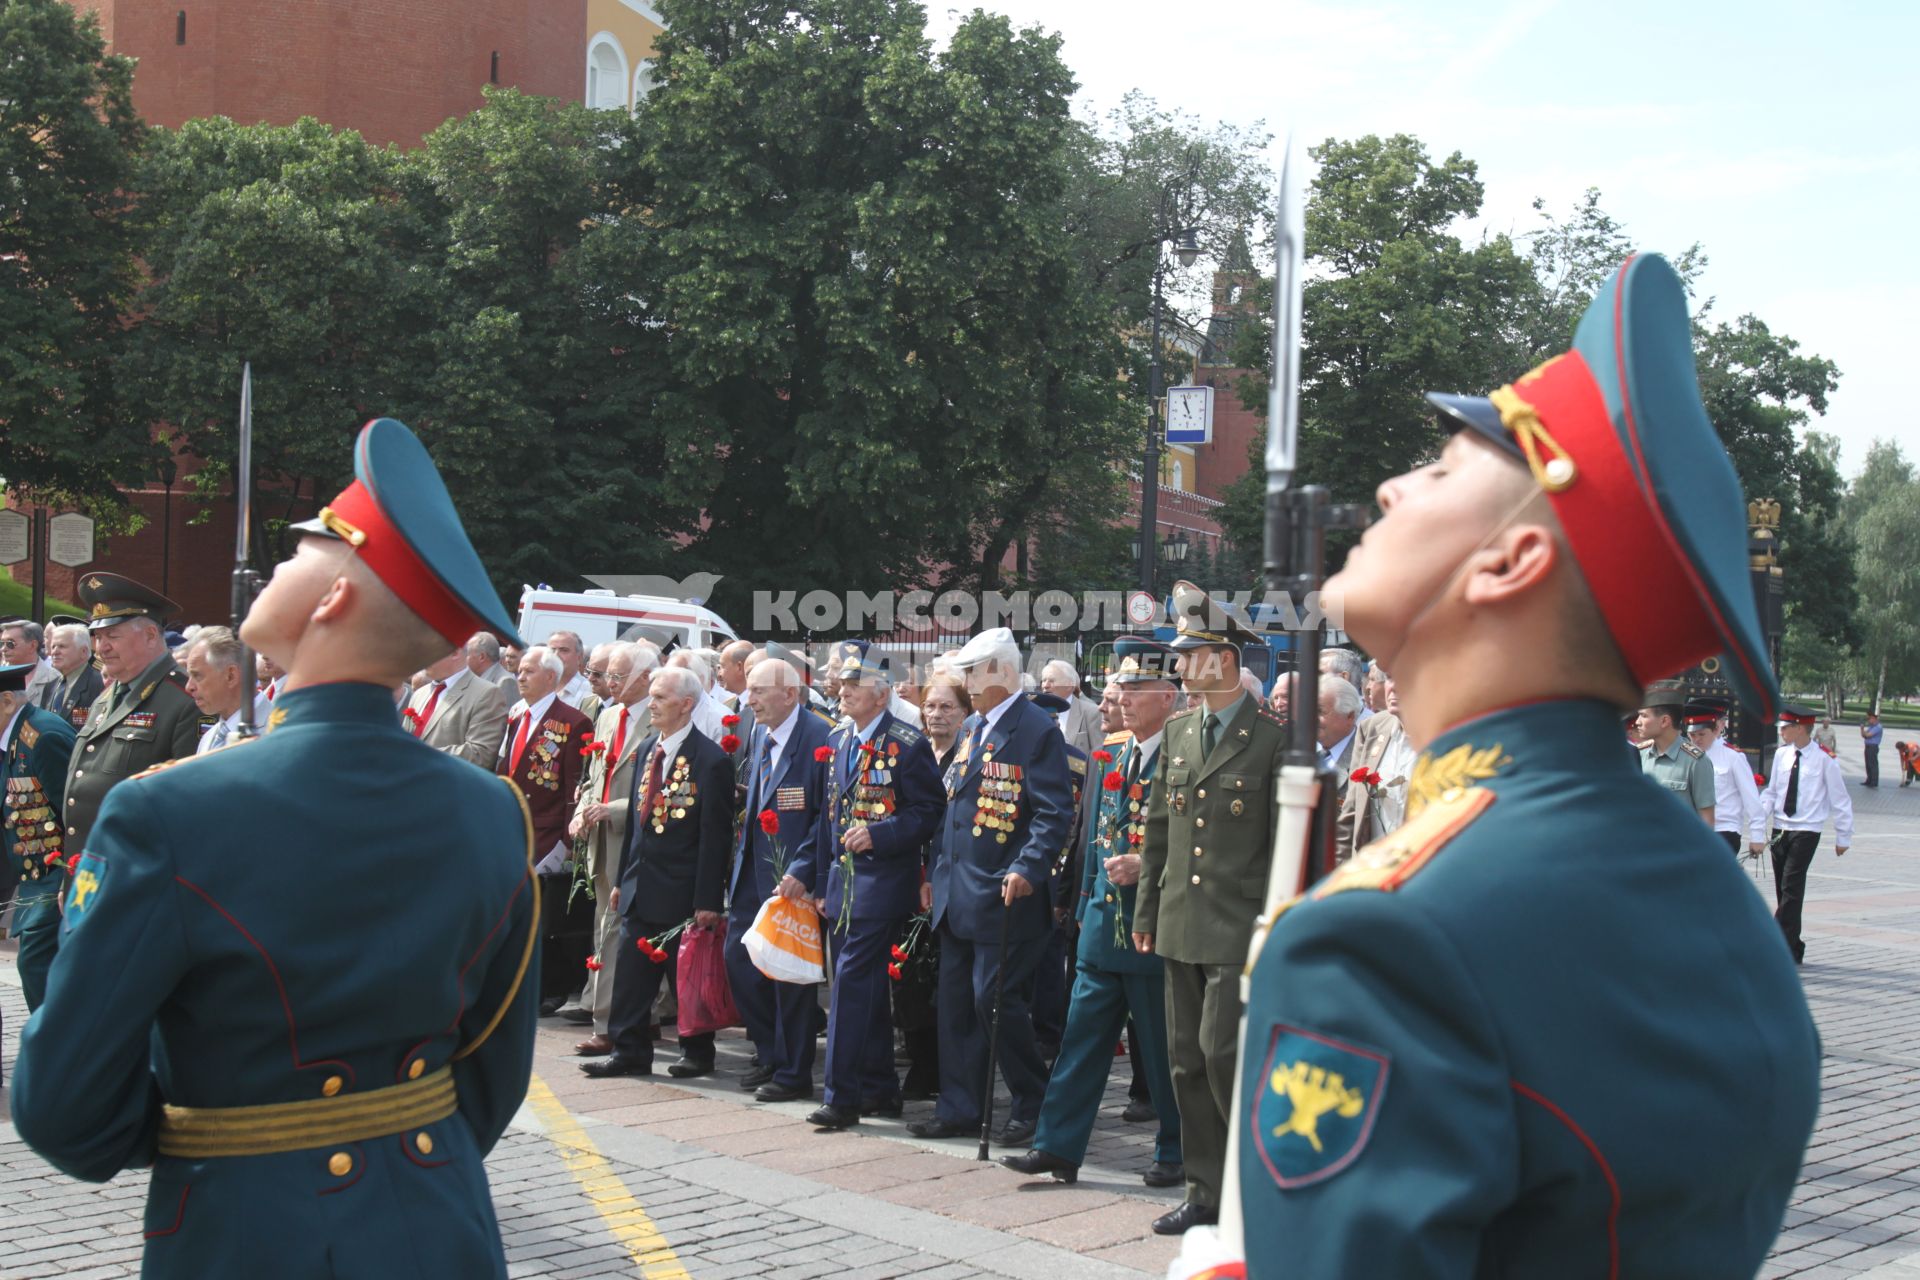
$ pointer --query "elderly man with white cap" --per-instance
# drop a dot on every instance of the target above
(1009, 811)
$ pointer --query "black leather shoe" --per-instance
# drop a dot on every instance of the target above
(1162, 1174)
(688, 1068)
(771, 1092)
(889, 1107)
(1015, 1133)
(578, 1016)
(551, 1005)
(607, 1068)
(756, 1077)
(1037, 1162)
(1186, 1216)
(938, 1128)
(829, 1116)
(1139, 1113)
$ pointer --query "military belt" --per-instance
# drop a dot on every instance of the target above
(198, 1133)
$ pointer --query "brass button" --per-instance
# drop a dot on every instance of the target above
(1238, 783)
(1196, 851)
(340, 1164)
(424, 1144)
(70, 831)
(1196, 879)
(415, 1068)
(1199, 822)
(332, 1086)
(90, 746)
(79, 773)
(1203, 793)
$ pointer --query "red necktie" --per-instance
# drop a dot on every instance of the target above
(426, 713)
(613, 756)
(654, 782)
(519, 742)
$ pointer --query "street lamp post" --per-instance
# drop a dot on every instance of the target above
(1187, 249)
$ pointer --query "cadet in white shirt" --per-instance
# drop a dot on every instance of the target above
(1805, 789)
(1736, 801)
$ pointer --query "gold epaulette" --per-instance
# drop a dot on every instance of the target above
(29, 736)
(164, 765)
(1117, 736)
(1394, 859)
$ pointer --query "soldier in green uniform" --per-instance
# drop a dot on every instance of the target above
(1666, 755)
(38, 745)
(297, 975)
(1209, 840)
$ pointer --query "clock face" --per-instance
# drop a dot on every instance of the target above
(1187, 409)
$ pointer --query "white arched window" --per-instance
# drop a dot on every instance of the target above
(643, 80)
(1179, 475)
(606, 73)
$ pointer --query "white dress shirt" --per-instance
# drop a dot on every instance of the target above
(1822, 794)
(221, 732)
(777, 740)
(576, 691)
(1734, 796)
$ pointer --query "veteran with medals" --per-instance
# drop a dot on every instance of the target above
(39, 744)
(290, 977)
(1503, 1040)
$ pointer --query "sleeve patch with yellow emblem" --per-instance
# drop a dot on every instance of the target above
(83, 887)
(1316, 1104)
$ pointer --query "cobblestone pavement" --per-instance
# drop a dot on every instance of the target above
(643, 1178)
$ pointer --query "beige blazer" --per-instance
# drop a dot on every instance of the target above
(468, 721)
(610, 836)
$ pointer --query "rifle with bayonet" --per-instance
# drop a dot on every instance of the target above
(246, 581)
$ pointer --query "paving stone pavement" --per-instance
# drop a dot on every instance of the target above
(644, 1178)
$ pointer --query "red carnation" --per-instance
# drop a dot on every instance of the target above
(410, 716)
(73, 861)
(868, 749)
(893, 971)
(593, 964)
(898, 954)
(53, 859)
(729, 722)
(1358, 775)
(1759, 779)
(1103, 757)
(770, 822)
(1114, 781)
(730, 743)
(822, 754)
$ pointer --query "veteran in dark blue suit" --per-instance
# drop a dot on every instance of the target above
(39, 744)
(1009, 812)
(1114, 981)
(884, 800)
(1503, 1040)
(785, 775)
(672, 870)
(312, 1018)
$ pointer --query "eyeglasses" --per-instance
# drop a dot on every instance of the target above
(9, 642)
(597, 675)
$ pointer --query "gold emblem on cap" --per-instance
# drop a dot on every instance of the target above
(1554, 473)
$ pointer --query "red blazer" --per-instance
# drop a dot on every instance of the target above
(550, 769)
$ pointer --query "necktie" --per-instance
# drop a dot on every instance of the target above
(613, 756)
(58, 702)
(218, 738)
(520, 741)
(765, 775)
(654, 782)
(425, 713)
(1210, 733)
(1793, 786)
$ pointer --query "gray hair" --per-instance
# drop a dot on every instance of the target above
(1346, 664)
(31, 632)
(76, 632)
(646, 657)
(486, 644)
(1346, 698)
(546, 659)
(222, 647)
(1058, 666)
(681, 683)
(695, 661)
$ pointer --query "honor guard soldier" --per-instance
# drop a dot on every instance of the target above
(1505, 1040)
(296, 974)
(39, 744)
(1113, 981)
(1736, 801)
(883, 802)
(1667, 756)
(1209, 841)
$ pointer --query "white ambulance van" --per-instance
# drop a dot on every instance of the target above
(599, 616)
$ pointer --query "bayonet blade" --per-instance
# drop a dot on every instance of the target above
(1283, 398)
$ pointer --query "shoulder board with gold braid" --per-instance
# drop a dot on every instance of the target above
(29, 736)
(1116, 737)
(1077, 763)
(904, 733)
(164, 765)
(1392, 860)
(823, 717)
(1690, 749)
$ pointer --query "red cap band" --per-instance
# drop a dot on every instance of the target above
(384, 550)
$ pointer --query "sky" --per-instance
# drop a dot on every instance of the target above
(1776, 135)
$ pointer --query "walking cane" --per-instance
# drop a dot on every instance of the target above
(993, 1027)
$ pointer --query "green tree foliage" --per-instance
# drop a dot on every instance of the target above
(68, 141)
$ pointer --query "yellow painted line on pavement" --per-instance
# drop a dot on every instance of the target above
(625, 1219)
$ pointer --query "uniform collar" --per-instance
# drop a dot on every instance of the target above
(1570, 734)
(340, 702)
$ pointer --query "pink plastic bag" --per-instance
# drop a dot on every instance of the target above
(700, 982)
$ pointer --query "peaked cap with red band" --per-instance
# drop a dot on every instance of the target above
(1615, 433)
(402, 524)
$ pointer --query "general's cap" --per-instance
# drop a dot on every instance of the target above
(401, 522)
(112, 599)
(1200, 620)
(1142, 659)
(1615, 434)
(988, 644)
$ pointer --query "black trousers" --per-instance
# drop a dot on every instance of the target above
(1873, 766)
(1792, 855)
(636, 984)
(1732, 839)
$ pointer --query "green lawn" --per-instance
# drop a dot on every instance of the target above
(1905, 715)
(16, 598)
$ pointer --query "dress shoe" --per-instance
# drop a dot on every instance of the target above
(1139, 1113)
(1037, 1162)
(772, 1092)
(1186, 1216)
(594, 1047)
(937, 1128)
(1014, 1133)
(688, 1068)
(756, 1077)
(889, 1107)
(576, 1015)
(829, 1116)
(551, 1005)
(1163, 1174)
(607, 1068)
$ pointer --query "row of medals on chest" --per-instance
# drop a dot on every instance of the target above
(30, 816)
(872, 795)
(676, 795)
(998, 808)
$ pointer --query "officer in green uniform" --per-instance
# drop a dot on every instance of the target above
(1209, 840)
(38, 745)
(145, 717)
(1666, 754)
(297, 974)
(1503, 1040)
